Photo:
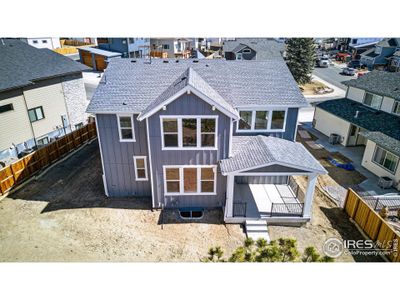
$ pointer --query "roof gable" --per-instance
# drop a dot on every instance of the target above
(189, 81)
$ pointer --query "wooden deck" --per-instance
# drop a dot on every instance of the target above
(258, 198)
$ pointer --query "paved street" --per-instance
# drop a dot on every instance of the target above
(332, 75)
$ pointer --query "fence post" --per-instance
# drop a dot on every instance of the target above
(376, 203)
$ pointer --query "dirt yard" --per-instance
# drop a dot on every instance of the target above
(312, 87)
(64, 216)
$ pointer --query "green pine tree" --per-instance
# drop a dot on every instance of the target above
(300, 58)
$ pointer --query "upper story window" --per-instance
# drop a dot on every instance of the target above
(373, 100)
(126, 128)
(396, 108)
(386, 159)
(246, 51)
(165, 47)
(262, 120)
(35, 41)
(5, 108)
(131, 40)
(44, 41)
(181, 132)
(36, 114)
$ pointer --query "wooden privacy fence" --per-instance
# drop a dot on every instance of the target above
(374, 226)
(25, 167)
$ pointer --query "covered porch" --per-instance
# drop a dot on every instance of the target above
(268, 200)
(261, 182)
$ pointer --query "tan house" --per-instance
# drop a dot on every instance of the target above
(369, 117)
(42, 97)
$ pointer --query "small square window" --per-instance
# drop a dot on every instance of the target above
(35, 114)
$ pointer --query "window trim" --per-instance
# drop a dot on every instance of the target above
(34, 110)
(246, 51)
(10, 105)
(181, 180)
(365, 95)
(180, 132)
(121, 140)
(43, 138)
(396, 103)
(135, 157)
(381, 166)
(253, 119)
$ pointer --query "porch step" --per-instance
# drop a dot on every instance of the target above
(256, 229)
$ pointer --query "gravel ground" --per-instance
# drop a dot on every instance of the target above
(64, 216)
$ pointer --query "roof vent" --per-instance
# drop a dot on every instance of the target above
(357, 113)
(177, 61)
(165, 61)
(123, 103)
(133, 60)
(195, 61)
(207, 65)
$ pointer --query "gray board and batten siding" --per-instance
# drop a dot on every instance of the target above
(188, 104)
(118, 157)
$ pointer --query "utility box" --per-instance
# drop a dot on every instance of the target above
(334, 139)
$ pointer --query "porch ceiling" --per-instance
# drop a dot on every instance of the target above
(252, 152)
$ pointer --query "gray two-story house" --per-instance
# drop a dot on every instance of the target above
(193, 135)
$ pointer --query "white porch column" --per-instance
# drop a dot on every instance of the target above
(312, 180)
(230, 183)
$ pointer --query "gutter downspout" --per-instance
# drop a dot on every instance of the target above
(30, 123)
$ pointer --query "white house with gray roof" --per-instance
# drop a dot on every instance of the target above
(42, 97)
(368, 117)
(199, 134)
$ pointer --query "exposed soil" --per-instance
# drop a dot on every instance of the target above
(312, 87)
(64, 216)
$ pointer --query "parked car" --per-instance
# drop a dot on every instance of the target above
(323, 63)
(349, 71)
(354, 64)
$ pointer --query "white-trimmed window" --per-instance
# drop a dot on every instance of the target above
(372, 100)
(386, 159)
(262, 120)
(190, 180)
(396, 108)
(126, 128)
(189, 132)
(239, 56)
(140, 163)
(43, 141)
(246, 51)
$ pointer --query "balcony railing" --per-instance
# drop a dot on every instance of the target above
(287, 209)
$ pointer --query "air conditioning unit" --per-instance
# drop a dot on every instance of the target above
(334, 138)
(385, 182)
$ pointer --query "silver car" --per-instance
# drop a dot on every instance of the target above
(349, 71)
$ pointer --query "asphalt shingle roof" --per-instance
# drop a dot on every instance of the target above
(368, 118)
(378, 82)
(266, 48)
(133, 86)
(383, 140)
(22, 64)
(251, 152)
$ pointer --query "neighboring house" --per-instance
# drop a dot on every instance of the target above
(199, 134)
(171, 47)
(42, 97)
(394, 61)
(252, 49)
(46, 42)
(357, 46)
(96, 58)
(369, 116)
(377, 58)
(128, 47)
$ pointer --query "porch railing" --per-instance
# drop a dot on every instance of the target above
(296, 189)
(287, 209)
(239, 209)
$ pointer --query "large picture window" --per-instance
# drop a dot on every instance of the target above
(262, 120)
(386, 159)
(181, 132)
(190, 180)
(126, 128)
(373, 100)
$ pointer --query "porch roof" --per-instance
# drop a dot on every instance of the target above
(251, 152)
